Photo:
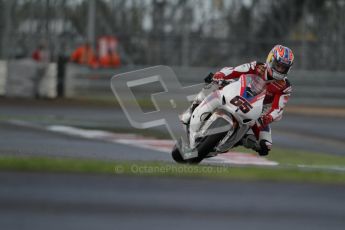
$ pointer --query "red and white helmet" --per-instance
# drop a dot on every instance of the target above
(279, 60)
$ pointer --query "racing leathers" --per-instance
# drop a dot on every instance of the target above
(277, 95)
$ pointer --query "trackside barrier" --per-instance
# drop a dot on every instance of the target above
(323, 88)
(3, 77)
(27, 78)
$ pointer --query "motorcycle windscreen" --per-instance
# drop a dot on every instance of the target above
(254, 86)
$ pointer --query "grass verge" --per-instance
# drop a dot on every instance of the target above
(38, 164)
(288, 157)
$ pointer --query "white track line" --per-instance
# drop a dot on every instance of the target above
(159, 145)
(323, 167)
(166, 145)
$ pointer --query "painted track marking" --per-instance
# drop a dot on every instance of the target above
(159, 145)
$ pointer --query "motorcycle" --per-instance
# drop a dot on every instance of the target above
(221, 120)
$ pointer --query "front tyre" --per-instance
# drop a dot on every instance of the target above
(176, 155)
(209, 143)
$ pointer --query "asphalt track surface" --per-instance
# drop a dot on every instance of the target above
(72, 201)
(27, 141)
(312, 133)
(75, 201)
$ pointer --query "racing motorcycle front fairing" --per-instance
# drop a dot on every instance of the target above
(228, 111)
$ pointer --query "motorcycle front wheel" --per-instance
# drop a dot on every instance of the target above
(204, 148)
(176, 155)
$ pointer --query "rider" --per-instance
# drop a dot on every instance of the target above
(278, 89)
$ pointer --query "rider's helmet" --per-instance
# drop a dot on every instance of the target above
(279, 61)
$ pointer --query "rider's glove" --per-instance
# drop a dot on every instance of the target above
(219, 76)
(209, 78)
(265, 120)
(219, 79)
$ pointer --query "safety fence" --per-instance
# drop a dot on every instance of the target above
(20, 79)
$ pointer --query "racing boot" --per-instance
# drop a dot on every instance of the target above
(262, 147)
